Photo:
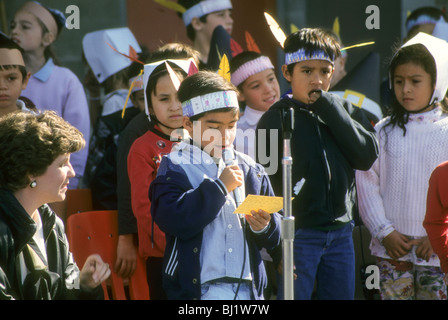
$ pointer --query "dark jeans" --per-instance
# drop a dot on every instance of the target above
(326, 258)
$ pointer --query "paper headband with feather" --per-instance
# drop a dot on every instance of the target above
(280, 36)
(198, 10)
(214, 100)
(187, 65)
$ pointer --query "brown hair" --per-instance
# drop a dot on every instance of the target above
(29, 144)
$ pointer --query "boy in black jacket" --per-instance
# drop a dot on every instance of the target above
(331, 139)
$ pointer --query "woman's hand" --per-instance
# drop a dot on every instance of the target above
(94, 272)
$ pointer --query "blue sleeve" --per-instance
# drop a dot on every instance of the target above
(177, 208)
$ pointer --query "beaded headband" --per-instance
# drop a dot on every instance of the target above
(300, 55)
(250, 68)
(205, 7)
(423, 19)
(209, 102)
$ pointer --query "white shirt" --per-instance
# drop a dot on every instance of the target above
(392, 194)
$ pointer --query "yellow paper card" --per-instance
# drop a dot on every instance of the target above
(267, 203)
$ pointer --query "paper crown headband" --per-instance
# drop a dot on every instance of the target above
(250, 68)
(203, 8)
(198, 10)
(209, 102)
(43, 14)
(103, 61)
(187, 65)
(9, 56)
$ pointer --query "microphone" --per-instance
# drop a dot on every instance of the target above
(228, 156)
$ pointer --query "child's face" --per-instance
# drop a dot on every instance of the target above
(26, 31)
(11, 86)
(261, 90)
(166, 105)
(412, 86)
(138, 99)
(307, 77)
(217, 131)
(218, 18)
(223, 18)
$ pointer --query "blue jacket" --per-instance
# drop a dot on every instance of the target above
(182, 212)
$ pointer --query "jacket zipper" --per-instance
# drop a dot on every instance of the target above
(324, 153)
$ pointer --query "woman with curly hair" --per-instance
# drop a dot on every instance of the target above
(35, 262)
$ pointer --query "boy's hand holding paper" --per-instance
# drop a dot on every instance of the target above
(258, 220)
(265, 203)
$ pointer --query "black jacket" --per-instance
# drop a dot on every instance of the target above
(331, 139)
(16, 230)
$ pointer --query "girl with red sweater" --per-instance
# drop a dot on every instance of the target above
(165, 111)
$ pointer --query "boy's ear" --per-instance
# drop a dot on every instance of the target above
(241, 97)
(286, 73)
(188, 125)
(25, 80)
(197, 24)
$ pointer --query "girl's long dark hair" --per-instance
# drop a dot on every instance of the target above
(416, 54)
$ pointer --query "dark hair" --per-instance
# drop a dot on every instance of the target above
(191, 33)
(168, 51)
(22, 69)
(30, 143)
(311, 40)
(202, 83)
(416, 54)
(136, 67)
(7, 43)
(433, 12)
(159, 72)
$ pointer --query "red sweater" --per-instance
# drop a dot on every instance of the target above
(436, 219)
(143, 161)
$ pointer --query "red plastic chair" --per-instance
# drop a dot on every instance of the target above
(78, 200)
(97, 232)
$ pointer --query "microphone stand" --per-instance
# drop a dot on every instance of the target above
(287, 226)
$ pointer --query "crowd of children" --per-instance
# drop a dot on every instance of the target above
(175, 139)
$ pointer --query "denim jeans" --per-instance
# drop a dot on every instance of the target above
(326, 258)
